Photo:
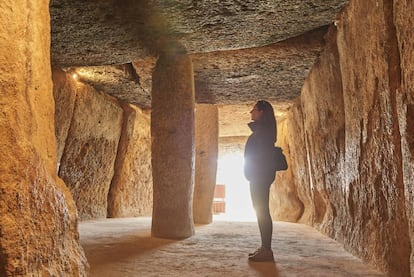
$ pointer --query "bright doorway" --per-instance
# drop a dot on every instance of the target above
(238, 204)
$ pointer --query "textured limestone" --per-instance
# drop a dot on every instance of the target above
(106, 37)
(172, 132)
(122, 31)
(351, 181)
(131, 187)
(229, 145)
(64, 93)
(357, 187)
(126, 82)
(324, 141)
(284, 202)
(38, 221)
(274, 72)
(374, 185)
(217, 249)
(87, 164)
(298, 158)
(404, 19)
(206, 153)
(130, 194)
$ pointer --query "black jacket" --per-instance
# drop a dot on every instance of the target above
(259, 155)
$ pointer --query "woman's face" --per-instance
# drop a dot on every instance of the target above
(255, 113)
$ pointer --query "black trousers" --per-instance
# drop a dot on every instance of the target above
(260, 200)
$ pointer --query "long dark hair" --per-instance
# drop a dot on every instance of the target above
(268, 117)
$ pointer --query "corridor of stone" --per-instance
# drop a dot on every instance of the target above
(121, 119)
(125, 248)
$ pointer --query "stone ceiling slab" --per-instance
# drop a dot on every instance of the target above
(121, 31)
(274, 72)
(242, 51)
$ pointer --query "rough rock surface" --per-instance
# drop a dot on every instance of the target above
(112, 35)
(349, 174)
(373, 161)
(87, 164)
(38, 220)
(217, 249)
(324, 141)
(121, 81)
(64, 91)
(131, 185)
(206, 153)
(349, 136)
(404, 19)
(275, 72)
(284, 201)
(172, 147)
(130, 193)
(122, 31)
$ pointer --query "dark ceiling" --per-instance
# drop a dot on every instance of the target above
(241, 50)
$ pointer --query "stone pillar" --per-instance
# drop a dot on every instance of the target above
(206, 141)
(38, 220)
(172, 131)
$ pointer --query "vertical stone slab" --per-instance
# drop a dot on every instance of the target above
(206, 146)
(298, 162)
(322, 104)
(172, 130)
(130, 194)
(284, 202)
(404, 20)
(371, 77)
(64, 93)
(38, 220)
(87, 164)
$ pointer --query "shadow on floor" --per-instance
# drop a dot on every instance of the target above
(265, 269)
(124, 248)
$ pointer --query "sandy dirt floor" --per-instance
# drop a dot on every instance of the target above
(124, 247)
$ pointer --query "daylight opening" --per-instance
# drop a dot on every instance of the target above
(235, 188)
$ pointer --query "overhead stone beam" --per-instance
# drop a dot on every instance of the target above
(121, 31)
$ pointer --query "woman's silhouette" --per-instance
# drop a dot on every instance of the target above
(259, 170)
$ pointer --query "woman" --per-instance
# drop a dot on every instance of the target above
(259, 170)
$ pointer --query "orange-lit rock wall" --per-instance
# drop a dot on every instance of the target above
(404, 20)
(87, 163)
(352, 156)
(105, 151)
(38, 219)
(284, 202)
(206, 153)
(130, 193)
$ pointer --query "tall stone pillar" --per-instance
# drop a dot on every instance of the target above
(172, 131)
(206, 143)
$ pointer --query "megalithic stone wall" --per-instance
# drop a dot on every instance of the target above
(353, 150)
(91, 145)
(38, 219)
(105, 159)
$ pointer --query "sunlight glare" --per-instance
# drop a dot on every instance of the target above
(238, 202)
